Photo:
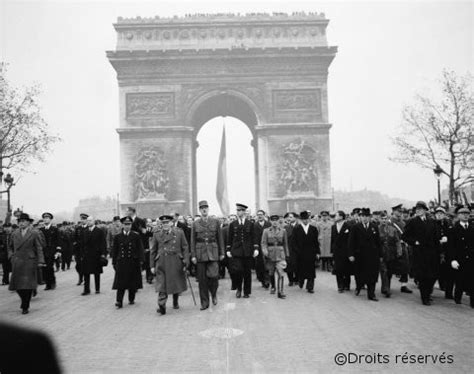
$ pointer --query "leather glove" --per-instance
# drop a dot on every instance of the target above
(455, 264)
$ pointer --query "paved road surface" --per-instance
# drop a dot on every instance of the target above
(263, 334)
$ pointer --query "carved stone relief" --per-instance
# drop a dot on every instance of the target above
(150, 104)
(151, 176)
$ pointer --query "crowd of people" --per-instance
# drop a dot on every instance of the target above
(422, 244)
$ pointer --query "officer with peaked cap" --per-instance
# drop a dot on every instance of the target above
(128, 256)
(242, 248)
(207, 248)
(169, 258)
(50, 249)
(78, 245)
(403, 265)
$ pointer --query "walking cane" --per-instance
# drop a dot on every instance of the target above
(190, 286)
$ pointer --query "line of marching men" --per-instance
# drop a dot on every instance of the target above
(366, 245)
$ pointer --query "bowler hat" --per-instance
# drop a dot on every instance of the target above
(365, 212)
(203, 204)
(45, 215)
(422, 205)
(24, 217)
(116, 218)
(304, 214)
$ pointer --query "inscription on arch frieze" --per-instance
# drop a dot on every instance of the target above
(140, 105)
(308, 100)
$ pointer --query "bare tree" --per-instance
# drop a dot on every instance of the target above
(441, 132)
(24, 134)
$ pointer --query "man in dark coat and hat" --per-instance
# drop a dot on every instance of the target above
(94, 249)
(242, 249)
(169, 258)
(305, 244)
(421, 233)
(340, 251)
(462, 261)
(26, 255)
(52, 246)
(366, 251)
(78, 245)
(128, 256)
(291, 260)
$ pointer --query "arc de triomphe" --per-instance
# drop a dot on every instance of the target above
(268, 70)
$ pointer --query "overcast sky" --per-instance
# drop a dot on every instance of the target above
(388, 51)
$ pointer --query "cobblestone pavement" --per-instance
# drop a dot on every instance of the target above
(262, 334)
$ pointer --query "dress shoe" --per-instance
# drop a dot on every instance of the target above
(131, 302)
(246, 296)
(310, 291)
(357, 292)
(281, 295)
(214, 300)
(347, 289)
(373, 298)
(272, 291)
(97, 291)
(340, 290)
(238, 294)
(290, 284)
(233, 288)
(47, 288)
(161, 310)
(301, 284)
(85, 293)
(24, 311)
(387, 295)
(426, 302)
(176, 306)
(34, 293)
(78, 283)
(53, 286)
(405, 289)
(204, 307)
(118, 305)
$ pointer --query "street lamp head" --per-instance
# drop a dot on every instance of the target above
(437, 171)
(8, 180)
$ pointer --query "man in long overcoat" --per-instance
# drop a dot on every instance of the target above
(462, 261)
(340, 252)
(242, 249)
(169, 257)
(78, 245)
(325, 231)
(291, 260)
(128, 256)
(305, 244)
(207, 248)
(95, 248)
(26, 255)
(260, 269)
(366, 250)
(421, 233)
(52, 246)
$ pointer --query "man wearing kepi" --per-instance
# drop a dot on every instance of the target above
(421, 233)
(207, 248)
(275, 251)
(242, 248)
(169, 258)
(127, 258)
(51, 235)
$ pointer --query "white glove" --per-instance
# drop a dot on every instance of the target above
(255, 253)
(194, 260)
(443, 240)
(229, 254)
(152, 269)
(455, 264)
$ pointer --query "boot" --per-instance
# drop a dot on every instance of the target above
(281, 295)
(272, 281)
(175, 301)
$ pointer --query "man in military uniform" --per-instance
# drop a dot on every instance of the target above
(169, 258)
(51, 235)
(207, 248)
(127, 258)
(79, 245)
(403, 266)
(291, 260)
(260, 268)
(242, 248)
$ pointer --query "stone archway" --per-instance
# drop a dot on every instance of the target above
(176, 73)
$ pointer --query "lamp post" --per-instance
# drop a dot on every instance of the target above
(438, 171)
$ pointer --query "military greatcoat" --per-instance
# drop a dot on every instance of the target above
(169, 254)
(127, 256)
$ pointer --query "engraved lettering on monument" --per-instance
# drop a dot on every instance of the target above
(297, 173)
(297, 100)
(150, 104)
(151, 177)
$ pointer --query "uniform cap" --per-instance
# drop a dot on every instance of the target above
(241, 206)
(203, 204)
(166, 217)
(44, 215)
(126, 219)
(274, 217)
